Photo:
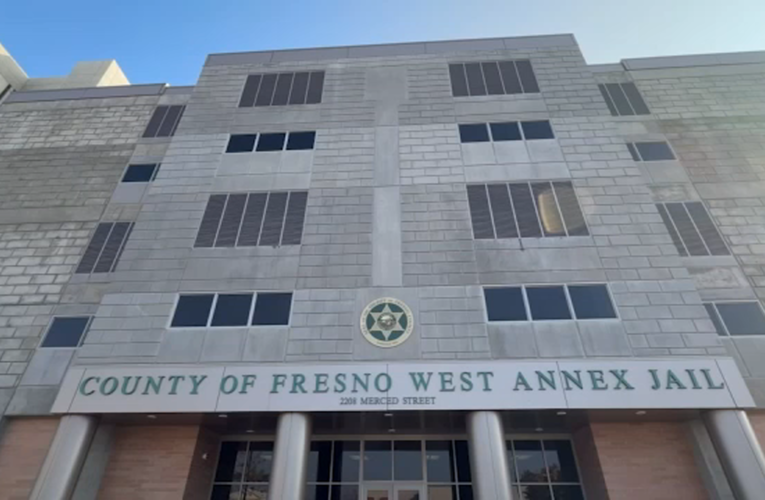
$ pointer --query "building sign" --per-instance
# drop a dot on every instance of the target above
(624, 384)
(387, 322)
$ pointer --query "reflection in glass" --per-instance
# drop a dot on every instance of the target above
(226, 492)
(346, 462)
(407, 460)
(378, 495)
(463, 462)
(530, 462)
(345, 492)
(408, 495)
(442, 493)
(535, 492)
(231, 462)
(259, 492)
(568, 492)
(440, 461)
(378, 463)
(319, 459)
(560, 462)
(259, 463)
(317, 492)
(548, 209)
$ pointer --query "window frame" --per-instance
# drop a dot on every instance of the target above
(153, 174)
(633, 145)
(611, 102)
(262, 75)
(728, 335)
(234, 439)
(64, 316)
(285, 143)
(519, 125)
(208, 325)
(117, 255)
(681, 240)
(520, 80)
(515, 486)
(569, 303)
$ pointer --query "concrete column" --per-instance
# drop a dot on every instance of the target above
(488, 456)
(293, 442)
(739, 452)
(66, 455)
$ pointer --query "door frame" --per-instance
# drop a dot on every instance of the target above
(418, 486)
(376, 485)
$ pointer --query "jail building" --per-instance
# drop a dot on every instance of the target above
(451, 270)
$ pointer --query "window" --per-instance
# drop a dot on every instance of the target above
(493, 78)
(543, 469)
(66, 331)
(737, 318)
(281, 89)
(164, 121)
(105, 247)
(337, 469)
(244, 470)
(295, 141)
(232, 309)
(548, 302)
(253, 219)
(141, 173)
(506, 131)
(650, 151)
(623, 99)
(691, 229)
(525, 210)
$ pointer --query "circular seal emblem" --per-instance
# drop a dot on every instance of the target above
(387, 322)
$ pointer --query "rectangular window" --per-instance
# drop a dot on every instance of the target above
(525, 210)
(274, 141)
(253, 219)
(737, 318)
(543, 469)
(650, 151)
(549, 303)
(623, 99)
(506, 131)
(66, 331)
(232, 309)
(493, 78)
(105, 247)
(141, 173)
(281, 89)
(692, 229)
(164, 121)
(244, 470)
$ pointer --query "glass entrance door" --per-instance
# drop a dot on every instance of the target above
(395, 491)
(374, 491)
(409, 492)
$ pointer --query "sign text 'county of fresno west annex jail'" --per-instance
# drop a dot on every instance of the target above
(654, 383)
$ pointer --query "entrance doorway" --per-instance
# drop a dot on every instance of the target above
(403, 491)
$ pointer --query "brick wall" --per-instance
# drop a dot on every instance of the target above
(151, 463)
(758, 424)
(23, 447)
(652, 460)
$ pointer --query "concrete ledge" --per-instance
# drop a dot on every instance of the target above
(694, 60)
(87, 93)
(41, 215)
(391, 50)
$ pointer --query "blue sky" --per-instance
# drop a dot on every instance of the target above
(167, 40)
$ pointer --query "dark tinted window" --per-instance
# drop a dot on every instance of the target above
(243, 143)
(282, 93)
(502, 211)
(66, 332)
(537, 130)
(232, 310)
(407, 461)
(439, 458)
(164, 121)
(315, 88)
(712, 311)
(654, 151)
(561, 464)
(508, 131)
(480, 214)
(319, 461)
(233, 456)
(105, 248)
(156, 120)
(299, 88)
(192, 310)
(505, 304)
(742, 318)
(346, 460)
(623, 99)
(266, 91)
(271, 142)
(459, 81)
(476, 132)
(140, 173)
(251, 86)
(300, 140)
(279, 89)
(474, 74)
(493, 78)
(272, 309)
(510, 77)
(692, 229)
(548, 303)
(530, 463)
(528, 79)
(591, 301)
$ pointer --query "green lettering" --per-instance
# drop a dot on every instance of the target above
(153, 384)
(386, 378)
(280, 380)
(621, 380)
(362, 382)
(174, 380)
(710, 382)
(485, 376)
(298, 380)
(228, 384)
(521, 380)
(548, 379)
(108, 386)
(419, 380)
(340, 382)
(126, 390)
(248, 381)
(569, 379)
(447, 381)
(596, 377)
(84, 384)
(692, 375)
(320, 385)
(196, 381)
(673, 380)
(467, 381)
(655, 376)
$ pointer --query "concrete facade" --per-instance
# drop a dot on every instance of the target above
(387, 216)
